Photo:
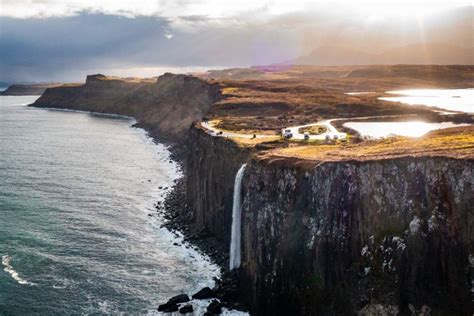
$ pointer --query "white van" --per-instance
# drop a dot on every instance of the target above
(287, 133)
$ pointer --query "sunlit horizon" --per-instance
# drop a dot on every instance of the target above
(146, 38)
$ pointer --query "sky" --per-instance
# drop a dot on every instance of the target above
(51, 40)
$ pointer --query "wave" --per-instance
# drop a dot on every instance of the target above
(6, 259)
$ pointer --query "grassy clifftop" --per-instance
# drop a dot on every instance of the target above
(453, 142)
(273, 97)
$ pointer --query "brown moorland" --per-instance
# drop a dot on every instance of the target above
(274, 97)
(453, 142)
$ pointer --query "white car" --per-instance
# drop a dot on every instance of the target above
(287, 133)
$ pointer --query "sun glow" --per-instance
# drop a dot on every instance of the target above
(403, 8)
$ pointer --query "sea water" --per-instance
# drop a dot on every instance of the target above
(76, 192)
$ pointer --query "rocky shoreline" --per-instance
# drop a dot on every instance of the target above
(178, 218)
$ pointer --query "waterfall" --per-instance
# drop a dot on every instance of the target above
(234, 261)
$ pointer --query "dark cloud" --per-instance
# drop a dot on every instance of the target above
(57, 48)
(65, 49)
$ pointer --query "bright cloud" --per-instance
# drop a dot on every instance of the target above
(71, 38)
(213, 9)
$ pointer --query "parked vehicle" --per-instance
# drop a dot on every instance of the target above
(306, 135)
(287, 133)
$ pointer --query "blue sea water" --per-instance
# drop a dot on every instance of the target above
(76, 190)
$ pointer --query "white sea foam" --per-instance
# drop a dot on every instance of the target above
(6, 259)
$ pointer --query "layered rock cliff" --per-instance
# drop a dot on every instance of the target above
(165, 108)
(211, 167)
(375, 237)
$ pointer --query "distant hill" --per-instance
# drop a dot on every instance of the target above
(373, 76)
(420, 54)
(28, 89)
(455, 75)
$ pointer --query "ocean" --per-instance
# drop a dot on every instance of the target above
(76, 236)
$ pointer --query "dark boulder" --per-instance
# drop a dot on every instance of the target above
(168, 308)
(214, 308)
(186, 309)
(204, 294)
(181, 298)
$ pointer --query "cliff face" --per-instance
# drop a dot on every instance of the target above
(345, 237)
(165, 108)
(211, 167)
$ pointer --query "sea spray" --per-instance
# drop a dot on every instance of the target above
(234, 261)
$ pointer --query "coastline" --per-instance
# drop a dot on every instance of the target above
(176, 215)
(130, 222)
(288, 223)
(173, 209)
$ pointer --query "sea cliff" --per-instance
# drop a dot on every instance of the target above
(211, 167)
(165, 107)
(386, 235)
(391, 236)
(379, 236)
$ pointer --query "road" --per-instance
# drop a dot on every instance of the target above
(331, 132)
(211, 130)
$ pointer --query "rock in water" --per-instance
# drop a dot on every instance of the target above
(186, 309)
(215, 308)
(168, 308)
(203, 294)
(181, 298)
(171, 305)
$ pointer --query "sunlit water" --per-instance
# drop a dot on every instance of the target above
(75, 236)
(447, 99)
(359, 93)
(385, 129)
